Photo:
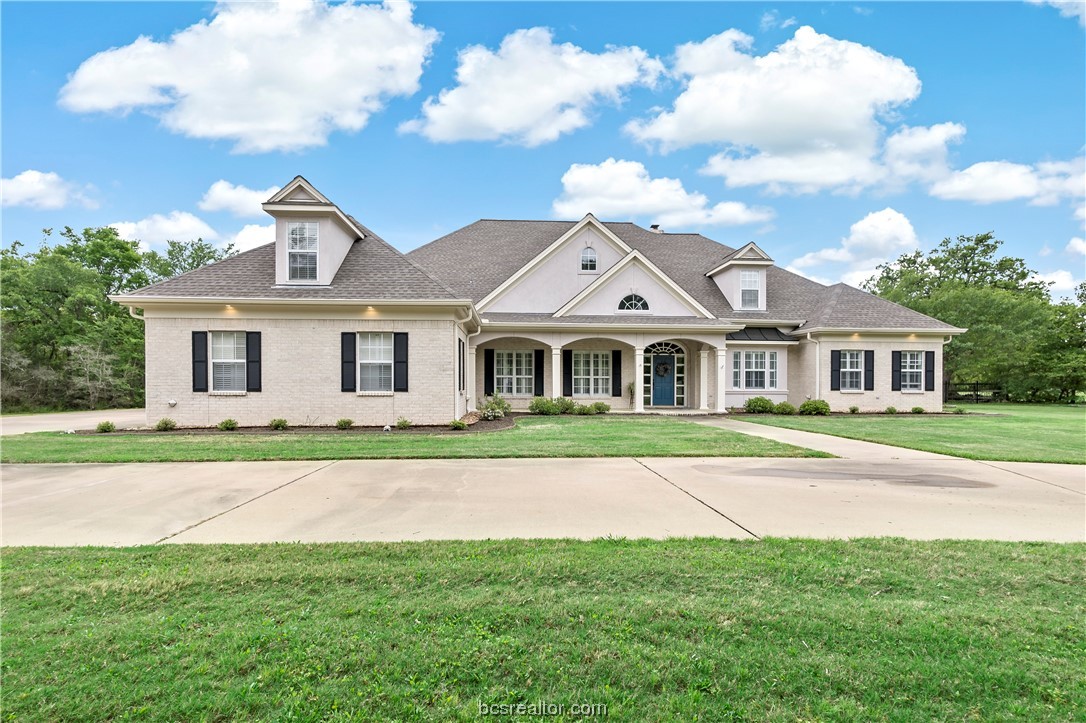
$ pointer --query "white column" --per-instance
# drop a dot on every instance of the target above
(721, 376)
(639, 379)
(556, 371)
(703, 382)
(469, 382)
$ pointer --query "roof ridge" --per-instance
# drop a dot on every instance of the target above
(199, 268)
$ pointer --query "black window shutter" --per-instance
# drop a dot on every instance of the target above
(199, 361)
(399, 361)
(869, 370)
(567, 372)
(537, 369)
(252, 361)
(929, 371)
(835, 370)
(616, 373)
(895, 371)
(460, 363)
(348, 344)
(488, 372)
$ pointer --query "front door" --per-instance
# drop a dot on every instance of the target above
(663, 380)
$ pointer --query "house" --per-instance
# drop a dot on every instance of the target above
(330, 321)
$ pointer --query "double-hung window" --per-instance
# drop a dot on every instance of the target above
(513, 372)
(228, 361)
(302, 243)
(591, 373)
(912, 371)
(754, 370)
(750, 289)
(852, 371)
(588, 259)
(375, 362)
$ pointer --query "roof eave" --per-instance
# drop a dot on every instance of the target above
(139, 301)
(881, 330)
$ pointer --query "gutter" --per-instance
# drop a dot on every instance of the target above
(141, 301)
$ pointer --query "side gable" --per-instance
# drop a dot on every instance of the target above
(635, 274)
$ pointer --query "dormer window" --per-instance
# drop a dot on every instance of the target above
(633, 302)
(588, 259)
(302, 240)
(750, 289)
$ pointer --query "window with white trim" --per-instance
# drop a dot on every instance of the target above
(591, 373)
(750, 289)
(375, 362)
(912, 371)
(513, 372)
(228, 361)
(302, 243)
(633, 302)
(852, 370)
(754, 370)
(588, 259)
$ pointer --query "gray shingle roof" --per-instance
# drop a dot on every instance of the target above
(371, 270)
(618, 319)
(844, 307)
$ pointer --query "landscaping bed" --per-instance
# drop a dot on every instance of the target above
(482, 425)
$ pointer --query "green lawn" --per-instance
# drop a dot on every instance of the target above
(604, 436)
(1008, 432)
(675, 630)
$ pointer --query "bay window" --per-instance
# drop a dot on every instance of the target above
(754, 370)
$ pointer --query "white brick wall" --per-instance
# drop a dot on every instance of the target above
(300, 370)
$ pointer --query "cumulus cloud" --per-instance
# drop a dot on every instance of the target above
(1058, 281)
(1076, 245)
(251, 236)
(920, 153)
(1067, 8)
(238, 200)
(1042, 184)
(878, 237)
(530, 90)
(43, 191)
(624, 189)
(319, 67)
(157, 229)
(803, 117)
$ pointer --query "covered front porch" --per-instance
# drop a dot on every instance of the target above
(640, 372)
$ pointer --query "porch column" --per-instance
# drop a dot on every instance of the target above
(703, 382)
(469, 382)
(556, 371)
(721, 374)
(639, 379)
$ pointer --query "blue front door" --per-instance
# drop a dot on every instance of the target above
(663, 380)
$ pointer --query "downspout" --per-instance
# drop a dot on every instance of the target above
(132, 313)
(818, 366)
(469, 383)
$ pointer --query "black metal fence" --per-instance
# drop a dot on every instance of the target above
(975, 392)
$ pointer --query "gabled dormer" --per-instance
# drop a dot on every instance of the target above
(312, 236)
(741, 277)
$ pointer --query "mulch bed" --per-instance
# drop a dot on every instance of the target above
(481, 425)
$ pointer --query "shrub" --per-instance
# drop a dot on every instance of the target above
(165, 425)
(228, 425)
(815, 407)
(917, 410)
(784, 408)
(891, 410)
(344, 423)
(278, 423)
(403, 423)
(584, 409)
(853, 409)
(959, 410)
(759, 405)
(459, 424)
(105, 427)
(495, 408)
(542, 405)
(601, 407)
(565, 405)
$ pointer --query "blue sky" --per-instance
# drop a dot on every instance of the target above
(835, 135)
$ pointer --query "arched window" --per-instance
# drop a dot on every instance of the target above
(633, 302)
(588, 259)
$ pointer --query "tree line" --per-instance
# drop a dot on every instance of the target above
(1018, 336)
(63, 343)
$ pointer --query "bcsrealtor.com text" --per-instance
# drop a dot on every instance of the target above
(544, 708)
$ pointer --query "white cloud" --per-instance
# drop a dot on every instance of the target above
(157, 229)
(251, 236)
(319, 68)
(1058, 281)
(530, 91)
(994, 181)
(878, 237)
(920, 153)
(624, 189)
(803, 117)
(1080, 213)
(772, 19)
(1067, 8)
(1076, 246)
(43, 191)
(238, 200)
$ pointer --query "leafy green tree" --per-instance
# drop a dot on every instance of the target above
(181, 257)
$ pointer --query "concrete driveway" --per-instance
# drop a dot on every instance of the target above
(243, 502)
(63, 421)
